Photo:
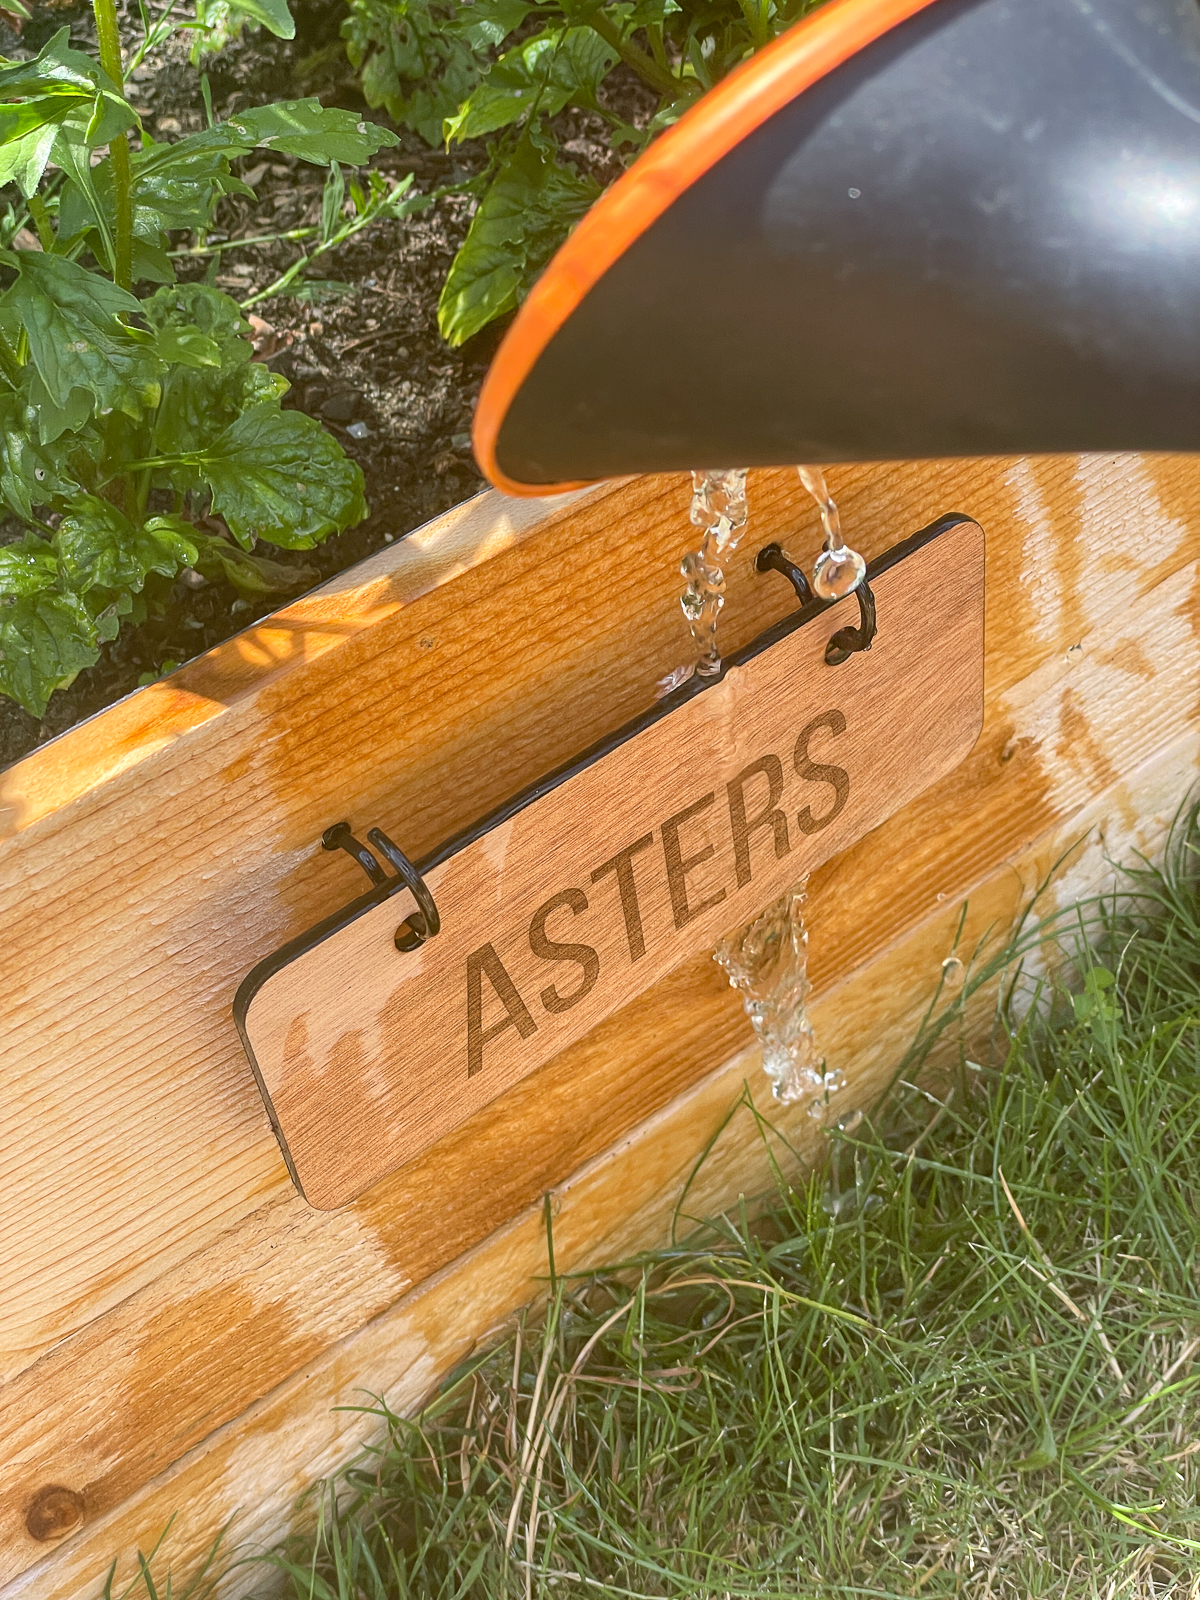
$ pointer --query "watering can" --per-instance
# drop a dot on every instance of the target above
(908, 228)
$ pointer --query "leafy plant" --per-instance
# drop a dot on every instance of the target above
(137, 435)
(509, 68)
(220, 21)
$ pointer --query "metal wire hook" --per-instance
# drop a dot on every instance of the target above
(423, 923)
(846, 641)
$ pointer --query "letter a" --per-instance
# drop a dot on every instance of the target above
(486, 961)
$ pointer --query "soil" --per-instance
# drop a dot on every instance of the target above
(367, 354)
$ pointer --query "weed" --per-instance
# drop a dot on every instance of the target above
(508, 68)
(137, 435)
(961, 1361)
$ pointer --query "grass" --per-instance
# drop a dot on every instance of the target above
(961, 1361)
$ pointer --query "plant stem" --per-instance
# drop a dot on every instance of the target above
(633, 56)
(110, 59)
(240, 244)
(364, 219)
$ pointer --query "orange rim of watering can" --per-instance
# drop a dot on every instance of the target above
(726, 115)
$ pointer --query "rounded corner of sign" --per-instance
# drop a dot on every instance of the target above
(316, 1199)
(247, 992)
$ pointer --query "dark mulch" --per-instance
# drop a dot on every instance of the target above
(372, 356)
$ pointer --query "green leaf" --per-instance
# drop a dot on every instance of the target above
(307, 129)
(177, 186)
(489, 22)
(202, 309)
(101, 549)
(82, 215)
(50, 419)
(522, 219)
(647, 13)
(201, 400)
(28, 473)
(27, 567)
(187, 347)
(278, 475)
(22, 161)
(219, 21)
(249, 574)
(56, 83)
(76, 340)
(546, 73)
(46, 637)
(418, 58)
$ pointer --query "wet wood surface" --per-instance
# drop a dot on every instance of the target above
(368, 1054)
(175, 1323)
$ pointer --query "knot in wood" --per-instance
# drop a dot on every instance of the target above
(53, 1513)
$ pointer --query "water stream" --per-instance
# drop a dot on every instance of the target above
(767, 959)
(719, 508)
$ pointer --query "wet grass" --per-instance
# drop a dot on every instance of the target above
(963, 1361)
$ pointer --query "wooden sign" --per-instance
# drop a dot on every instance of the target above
(587, 888)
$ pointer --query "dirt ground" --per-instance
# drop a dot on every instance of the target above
(370, 355)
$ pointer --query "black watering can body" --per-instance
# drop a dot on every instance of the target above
(910, 228)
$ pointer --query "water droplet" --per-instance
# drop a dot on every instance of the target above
(838, 573)
(672, 680)
(854, 194)
(953, 973)
(838, 570)
(848, 1124)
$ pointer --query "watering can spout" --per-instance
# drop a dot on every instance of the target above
(909, 228)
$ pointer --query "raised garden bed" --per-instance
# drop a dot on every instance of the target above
(177, 1325)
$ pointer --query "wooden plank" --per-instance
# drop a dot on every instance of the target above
(135, 1135)
(252, 1470)
(116, 1404)
(136, 1161)
(367, 1054)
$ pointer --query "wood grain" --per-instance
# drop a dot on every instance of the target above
(159, 1279)
(253, 1470)
(367, 1055)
